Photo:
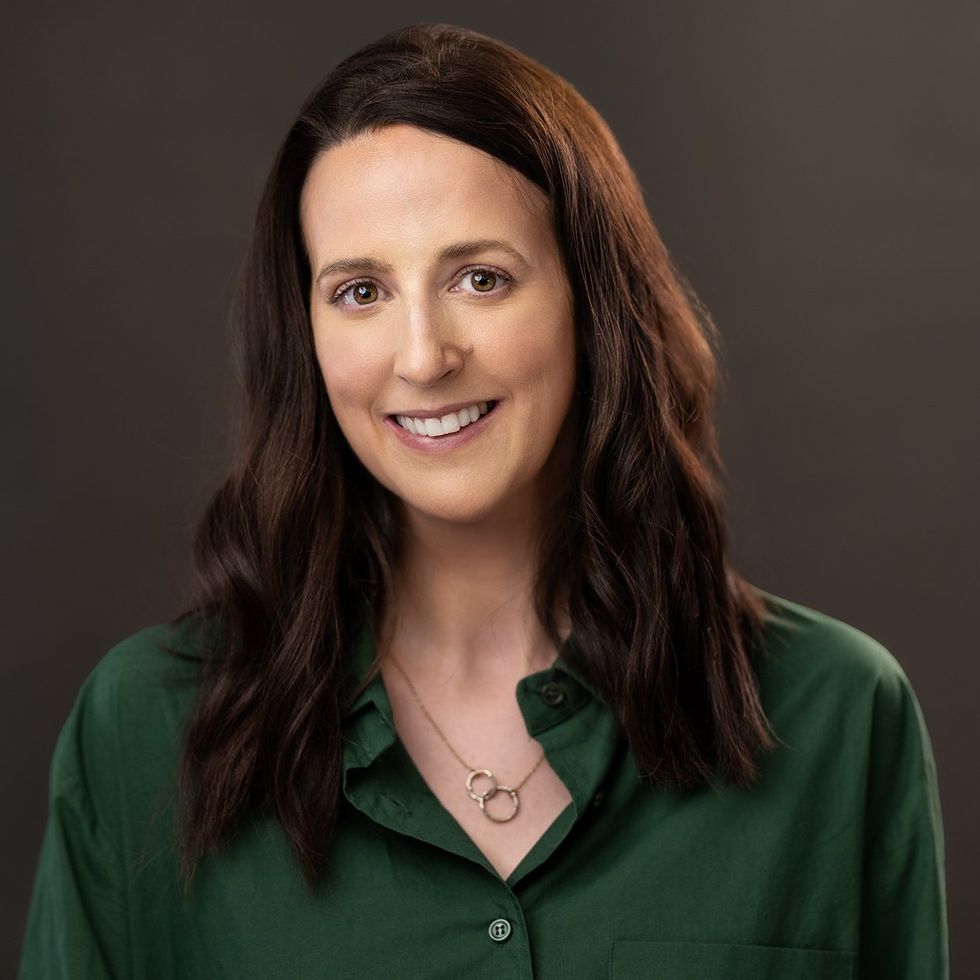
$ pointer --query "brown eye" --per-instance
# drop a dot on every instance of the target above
(365, 293)
(483, 280)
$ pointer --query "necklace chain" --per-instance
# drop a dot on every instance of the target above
(472, 773)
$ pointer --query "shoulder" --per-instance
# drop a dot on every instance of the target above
(142, 679)
(818, 674)
(803, 639)
(117, 748)
(838, 697)
(157, 658)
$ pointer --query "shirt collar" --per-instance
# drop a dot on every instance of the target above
(362, 654)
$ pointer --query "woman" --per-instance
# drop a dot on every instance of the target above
(467, 685)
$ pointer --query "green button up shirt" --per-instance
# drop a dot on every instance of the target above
(831, 867)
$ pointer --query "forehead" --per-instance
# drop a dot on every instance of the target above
(408, 185)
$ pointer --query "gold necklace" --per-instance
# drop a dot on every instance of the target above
(472, 772)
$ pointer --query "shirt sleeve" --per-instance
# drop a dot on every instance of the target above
(77, 917)
(903, 910)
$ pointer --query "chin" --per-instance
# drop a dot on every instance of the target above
(455, 504)
(470, 514)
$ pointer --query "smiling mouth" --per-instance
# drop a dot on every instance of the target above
(435, 428)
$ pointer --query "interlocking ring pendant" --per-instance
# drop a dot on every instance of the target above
(482, 798)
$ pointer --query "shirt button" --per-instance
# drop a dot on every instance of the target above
(499, 930)
(552, 693)
(598, 798)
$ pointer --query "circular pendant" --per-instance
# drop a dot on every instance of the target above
(469, 784)
(482, 798)
(513, 798)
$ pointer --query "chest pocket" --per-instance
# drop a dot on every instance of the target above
(631, 959)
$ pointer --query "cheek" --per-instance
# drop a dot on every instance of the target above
(348, 373)
(544, 360)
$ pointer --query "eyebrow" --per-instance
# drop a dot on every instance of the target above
(457, 250)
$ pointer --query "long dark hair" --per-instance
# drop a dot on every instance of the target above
(297, 544)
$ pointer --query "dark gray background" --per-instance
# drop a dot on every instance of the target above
(814, 170)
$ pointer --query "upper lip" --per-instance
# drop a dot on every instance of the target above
(435, 413)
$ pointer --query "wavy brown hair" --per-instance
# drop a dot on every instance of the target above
(298, 543)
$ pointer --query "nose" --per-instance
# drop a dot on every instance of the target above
(430, 345)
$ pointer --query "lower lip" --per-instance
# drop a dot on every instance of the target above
(442, 444)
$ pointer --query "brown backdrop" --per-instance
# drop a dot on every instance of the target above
(814, 170)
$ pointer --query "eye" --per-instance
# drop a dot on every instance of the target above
(365, 292)
(484, 278)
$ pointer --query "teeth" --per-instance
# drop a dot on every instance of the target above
(452, 422)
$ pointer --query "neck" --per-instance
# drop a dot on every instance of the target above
(464, 611)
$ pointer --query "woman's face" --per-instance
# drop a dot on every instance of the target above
(437, 284)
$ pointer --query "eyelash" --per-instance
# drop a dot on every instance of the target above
(508, 280)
